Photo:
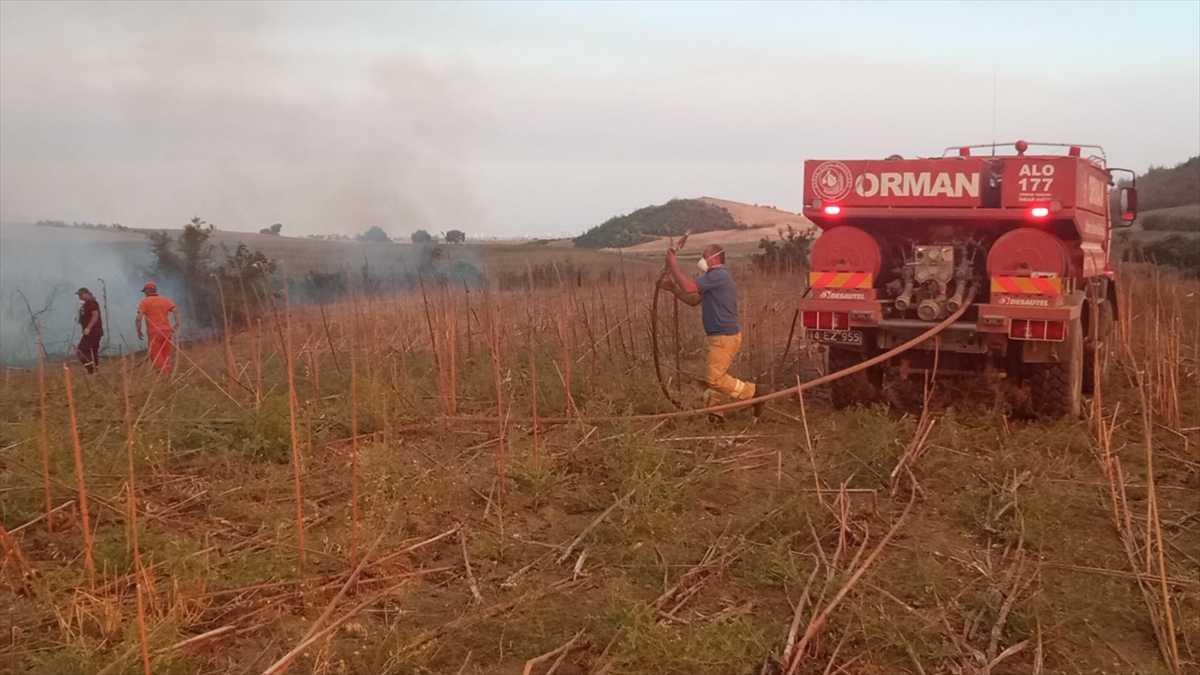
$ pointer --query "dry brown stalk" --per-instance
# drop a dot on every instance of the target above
(427, 636)
(1157, 525)
(316, 626)
(533, 393)
(433, 346)
(494, 349)
(837, 650)
(607, 337)
(329, 336)
(628, 308)
(353, 426)
(812, 457)
(689, 584)
(197, 640)
(564, 330)
(818, 623)
(44, 438)
(462, 540)
(392, 556)
(450, 318)
(560, 652)
(1111, 467)
(916, 448)
(14, 559)
(282, 664)
(1174, 581)
(230, 364)
(292, 403)
(591, 526)
(42, 517)
(83, 504)
(133, 525)
(314, 367)
(789, 648)
(257, 345)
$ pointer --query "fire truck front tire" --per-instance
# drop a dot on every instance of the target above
(861, 388)
(1056, 387)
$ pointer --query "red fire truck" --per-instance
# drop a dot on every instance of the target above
(1023, 237)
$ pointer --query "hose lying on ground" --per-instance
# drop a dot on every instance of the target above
(759, 399)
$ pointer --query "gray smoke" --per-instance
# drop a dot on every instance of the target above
(147, 114)
(41, 268)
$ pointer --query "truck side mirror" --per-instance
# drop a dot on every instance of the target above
(1128, 204)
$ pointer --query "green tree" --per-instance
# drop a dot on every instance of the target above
(422, 237)
(375, 234)
(456, 237)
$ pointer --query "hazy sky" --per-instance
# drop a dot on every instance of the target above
(540, 118)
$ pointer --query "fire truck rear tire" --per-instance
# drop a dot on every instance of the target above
(861, 388)
(1101, 319)
(1056, 387)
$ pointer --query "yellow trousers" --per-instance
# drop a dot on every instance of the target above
(721, 351)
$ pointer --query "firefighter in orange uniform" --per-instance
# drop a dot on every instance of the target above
(157, 310)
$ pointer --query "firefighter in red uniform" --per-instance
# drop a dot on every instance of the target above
(93, 329)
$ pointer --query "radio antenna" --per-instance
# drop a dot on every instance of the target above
(994, 79)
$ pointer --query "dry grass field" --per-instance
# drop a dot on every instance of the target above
(425, 486)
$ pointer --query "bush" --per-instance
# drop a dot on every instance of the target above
(787, 256)
(1173, 220)
(422, 237)
(323, 287)
(647, 224)
(186, 261)
(456, 237)
(1178, 250)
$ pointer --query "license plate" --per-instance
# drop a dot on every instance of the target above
(842, 337)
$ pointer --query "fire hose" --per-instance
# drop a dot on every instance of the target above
(654, 326)
(783, 393)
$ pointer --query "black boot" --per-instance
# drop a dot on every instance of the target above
(759, 391)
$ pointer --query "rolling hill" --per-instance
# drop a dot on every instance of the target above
(711, 220)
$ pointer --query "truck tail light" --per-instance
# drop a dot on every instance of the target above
(1019, 329)
(1032, 329)
(826, 320)
(832, 210)
(1039, 211)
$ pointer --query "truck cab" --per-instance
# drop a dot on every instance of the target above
(1015, 243)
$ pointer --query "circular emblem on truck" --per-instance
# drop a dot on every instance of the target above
(831, 181)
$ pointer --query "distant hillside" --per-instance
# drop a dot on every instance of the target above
(651, 222)
(1165, 187)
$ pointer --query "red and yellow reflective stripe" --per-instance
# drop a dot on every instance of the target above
(841, 279)
(1028, 285)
